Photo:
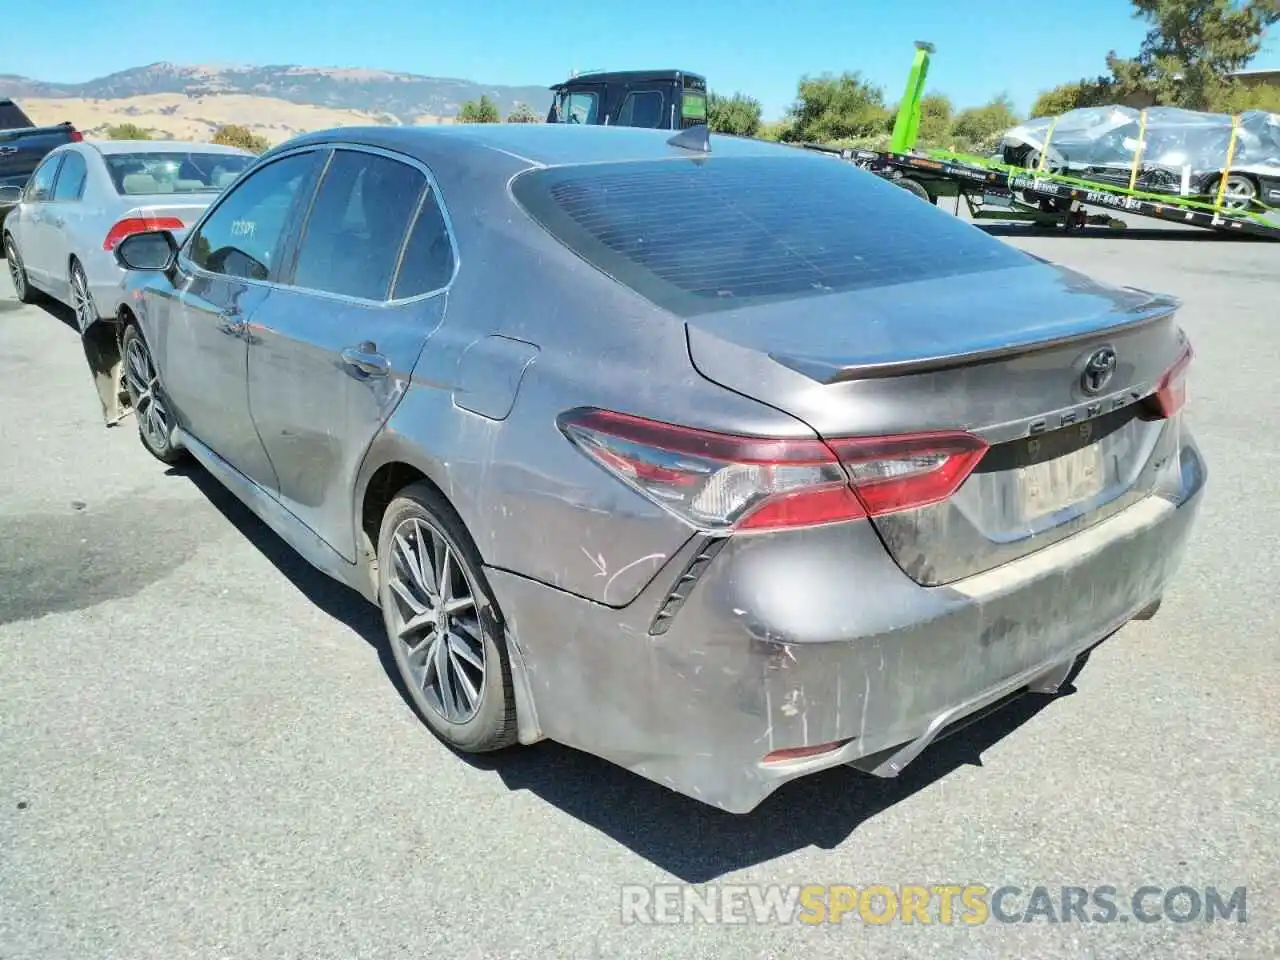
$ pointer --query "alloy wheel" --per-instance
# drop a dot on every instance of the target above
(16, 273)
(435, 620)
(81, 301)
(144, 396)
(1239, 193)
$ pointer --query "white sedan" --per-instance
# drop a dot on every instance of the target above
(86, 197)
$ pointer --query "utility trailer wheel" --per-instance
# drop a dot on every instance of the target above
(914, 186)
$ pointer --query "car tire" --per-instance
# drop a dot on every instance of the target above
(150, 408)
(82, 298)
(914, 187)
(1240, 195)
(460, 683)
(18, 272)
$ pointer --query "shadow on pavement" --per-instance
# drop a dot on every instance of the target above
(688, 839)
(59, 311)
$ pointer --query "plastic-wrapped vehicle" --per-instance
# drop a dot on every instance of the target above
(1183, 153)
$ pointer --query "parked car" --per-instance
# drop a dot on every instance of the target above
(88, 196)
(726, 466)
(22, 146)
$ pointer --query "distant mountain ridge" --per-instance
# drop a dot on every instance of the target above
(405, 96)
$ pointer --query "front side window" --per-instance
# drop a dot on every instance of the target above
(579, 106)
(642, 108)
(357, 225)
(242, 237)
(70, 184)
(142, 174)
(40, 186)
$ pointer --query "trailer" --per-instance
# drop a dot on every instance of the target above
(992, 190)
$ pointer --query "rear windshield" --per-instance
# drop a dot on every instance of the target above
(136, 174)
(708, 234)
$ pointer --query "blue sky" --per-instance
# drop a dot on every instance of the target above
(760, 47)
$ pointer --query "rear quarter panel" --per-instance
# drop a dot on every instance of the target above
(535, 505)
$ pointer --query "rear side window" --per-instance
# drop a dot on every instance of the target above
(707, 234)
(70, 184)
(357, 225)
(428, 258)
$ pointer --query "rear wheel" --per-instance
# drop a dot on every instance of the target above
(443, 624)
(155, 422)
(1240, 192)
(17, 272)
(82, 299)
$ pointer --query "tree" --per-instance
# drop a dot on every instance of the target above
(127, 131)
(1071, 96)
(936, 119)
(829, 108)
(235, 135)
(982, 126)
(521, 114)
(1191, 48)
(738, 114)
(481, 111)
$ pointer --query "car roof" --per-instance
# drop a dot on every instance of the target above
(110, 147)
(539, 144)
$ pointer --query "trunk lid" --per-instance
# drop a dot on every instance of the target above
(1001, 354)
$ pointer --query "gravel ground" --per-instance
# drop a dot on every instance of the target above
(202, 754)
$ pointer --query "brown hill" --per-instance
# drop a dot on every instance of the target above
(186, 117)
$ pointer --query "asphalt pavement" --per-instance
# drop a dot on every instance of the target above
(202, 754)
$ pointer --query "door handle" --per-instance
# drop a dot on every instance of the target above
(7, 151)
(365, 360)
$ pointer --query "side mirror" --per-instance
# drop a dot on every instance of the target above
(10, 196)
(153, 250)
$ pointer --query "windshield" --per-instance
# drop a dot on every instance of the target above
(135, 174)
(694, 106)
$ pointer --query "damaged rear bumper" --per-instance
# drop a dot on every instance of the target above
(817, 637)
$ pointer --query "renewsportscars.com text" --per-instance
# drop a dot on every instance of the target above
(941, 903)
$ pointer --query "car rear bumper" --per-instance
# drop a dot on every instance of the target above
(106, 284)
(817, 637)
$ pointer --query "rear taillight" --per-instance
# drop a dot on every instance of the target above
(1171, 390)
(76, 136)
(717, 481)
(131, 225)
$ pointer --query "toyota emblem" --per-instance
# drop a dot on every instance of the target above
(1098, 371)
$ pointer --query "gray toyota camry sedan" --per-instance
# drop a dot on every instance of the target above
(723, 460)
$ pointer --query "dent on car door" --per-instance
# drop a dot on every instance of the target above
(224, 278)
(336, 344)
